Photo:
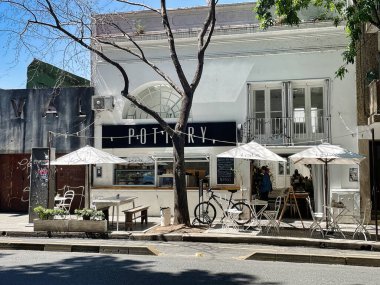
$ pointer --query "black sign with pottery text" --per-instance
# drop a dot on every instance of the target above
(152, 135)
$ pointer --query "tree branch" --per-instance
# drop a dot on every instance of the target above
(149, 111)
(82, 43)
(140, 5)
(203, 46)
(173, 52)
(142, 57)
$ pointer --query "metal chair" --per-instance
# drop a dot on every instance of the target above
(256, 215)
(229, 221)
(317, 219)
(362, 221)
(79, 191)
(272, 216)
(64, 202)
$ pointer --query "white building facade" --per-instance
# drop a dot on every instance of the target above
(276, 87)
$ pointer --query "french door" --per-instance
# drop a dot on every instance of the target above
(268, 107)
(308, 105)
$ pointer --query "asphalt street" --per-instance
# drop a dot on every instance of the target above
(203, 264)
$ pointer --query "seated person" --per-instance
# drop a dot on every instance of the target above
(297, 181)
(309, 186)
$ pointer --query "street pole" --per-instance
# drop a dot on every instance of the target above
(374, 180)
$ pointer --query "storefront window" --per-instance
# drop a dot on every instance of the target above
(143, 174)
(196, 168)
(134, 174)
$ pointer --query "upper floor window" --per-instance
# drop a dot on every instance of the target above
(287, 111)
(159, 97)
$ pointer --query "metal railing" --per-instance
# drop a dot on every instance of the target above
(285, 131)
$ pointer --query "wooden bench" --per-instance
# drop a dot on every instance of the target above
(131, 217)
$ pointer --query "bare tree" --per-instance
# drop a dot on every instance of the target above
(72, 20)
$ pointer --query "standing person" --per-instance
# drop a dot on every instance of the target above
(266, 184)
(256, 178)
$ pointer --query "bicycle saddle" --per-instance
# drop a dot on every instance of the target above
(232, 191)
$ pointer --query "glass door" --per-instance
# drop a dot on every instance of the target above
(308, 116)
(268, 113)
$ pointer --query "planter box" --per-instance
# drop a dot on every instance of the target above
(70, 226)
(51, 225)
(88, 226)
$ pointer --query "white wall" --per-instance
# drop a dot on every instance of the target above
(231, 62)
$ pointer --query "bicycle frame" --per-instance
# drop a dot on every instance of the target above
(203, 209)
(214, 198)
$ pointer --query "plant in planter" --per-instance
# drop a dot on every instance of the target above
(46, 222)
(89, 214)
(48, 214)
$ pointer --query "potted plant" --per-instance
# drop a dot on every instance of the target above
(89, 214)
(48, 214)
(46, 220)
(92, 221)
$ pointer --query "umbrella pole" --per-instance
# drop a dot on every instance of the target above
(326, 195)
(87, 187)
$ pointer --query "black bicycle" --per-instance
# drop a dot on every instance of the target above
(205, 212)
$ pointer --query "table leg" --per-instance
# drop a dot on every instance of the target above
(117, 218)
(113, 213)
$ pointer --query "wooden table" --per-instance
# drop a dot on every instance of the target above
(102, 203)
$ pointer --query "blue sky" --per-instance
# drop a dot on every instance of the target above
(13, 65)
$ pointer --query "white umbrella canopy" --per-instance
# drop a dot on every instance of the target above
(253, 151)
(326, 153)
(87, 155)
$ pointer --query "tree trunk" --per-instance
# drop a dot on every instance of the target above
(181, 209)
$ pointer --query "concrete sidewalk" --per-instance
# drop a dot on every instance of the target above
(291, 234)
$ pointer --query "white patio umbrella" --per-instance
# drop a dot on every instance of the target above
(87, 155)
(252, 151)
(326, 154)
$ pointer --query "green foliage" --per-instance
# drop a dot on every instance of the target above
(89, 214)
(139, 28)
(47, 214)
(355, 16)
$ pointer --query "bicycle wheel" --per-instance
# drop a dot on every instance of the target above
(205, 213)
(245, 216)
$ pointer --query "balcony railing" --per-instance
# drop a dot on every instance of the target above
(287, 131)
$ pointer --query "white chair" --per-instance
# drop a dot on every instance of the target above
(257, 215)
(317, 219)
(272, 216)
(229, 221)
(362, 221)
(64, 202)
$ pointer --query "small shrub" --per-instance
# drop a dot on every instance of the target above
(89, 214)
(48, 214)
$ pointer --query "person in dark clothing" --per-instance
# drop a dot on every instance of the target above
(297, 181)
(256, 180)
(266, 184)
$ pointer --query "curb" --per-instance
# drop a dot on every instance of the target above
(76, 247)
(286, 242)
(353, 260)
(359, 245)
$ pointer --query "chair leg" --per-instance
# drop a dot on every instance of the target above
(144, 216)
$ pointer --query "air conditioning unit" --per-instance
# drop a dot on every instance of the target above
(102, 103)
